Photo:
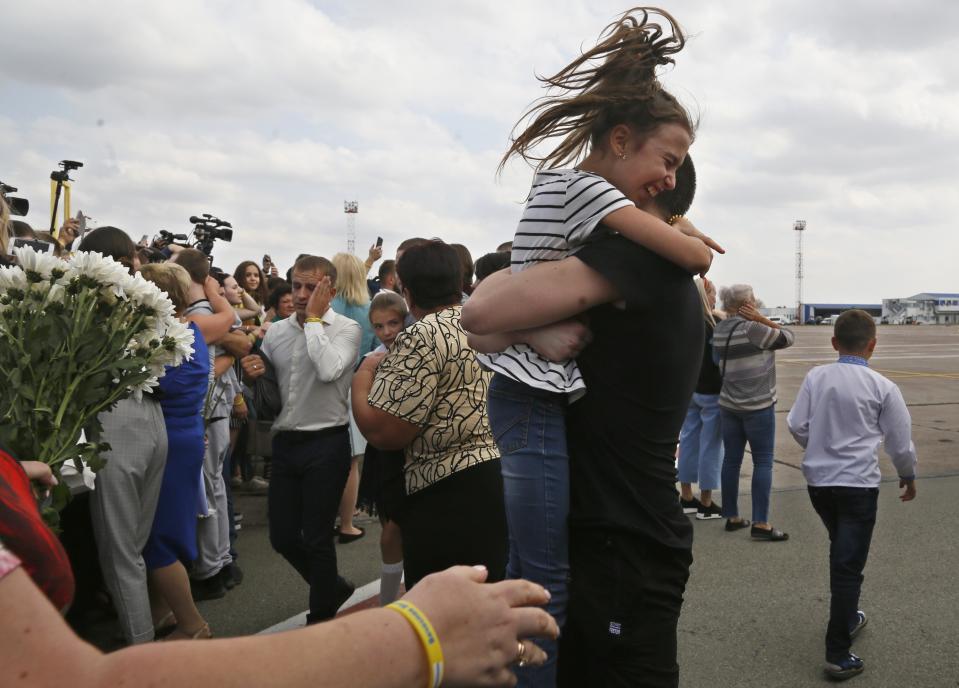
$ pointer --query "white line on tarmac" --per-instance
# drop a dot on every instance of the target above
(361, 594)
(877, 357)
(945, 345)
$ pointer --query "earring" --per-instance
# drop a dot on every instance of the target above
(622, 156)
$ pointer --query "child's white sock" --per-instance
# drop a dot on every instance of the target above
(390, 582)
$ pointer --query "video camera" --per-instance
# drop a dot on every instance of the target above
(64, 174)
(18, 206)
(207, 229)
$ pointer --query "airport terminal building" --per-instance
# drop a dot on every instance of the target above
(927, 308)
(815, 312)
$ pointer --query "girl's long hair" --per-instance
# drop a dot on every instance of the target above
(708, 314)
(612, 83)
(351, 279)
(262, 293)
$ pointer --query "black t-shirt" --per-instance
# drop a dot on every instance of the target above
(710, 381)
(640, 372)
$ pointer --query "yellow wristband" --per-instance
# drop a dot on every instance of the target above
(239, 401)
(319, 320)
(431, 642)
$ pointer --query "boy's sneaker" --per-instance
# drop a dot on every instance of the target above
(690, 506)
(705, 513)
(847, 667)
(860, 623)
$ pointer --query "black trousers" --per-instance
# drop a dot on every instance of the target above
(457, 520)
(626, 592)
(309, 473)
(849, 514)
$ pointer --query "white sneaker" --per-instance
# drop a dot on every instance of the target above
(256, 484)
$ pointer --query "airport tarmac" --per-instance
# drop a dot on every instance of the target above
(755, 613)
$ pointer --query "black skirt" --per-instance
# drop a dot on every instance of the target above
(382, 486)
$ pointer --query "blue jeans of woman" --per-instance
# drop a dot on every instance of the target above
(701, 443)
(530, 430)
(759, 429)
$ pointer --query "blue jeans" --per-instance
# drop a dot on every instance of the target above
(759, 429)
(701, 443)
(530, 430)
(849, 514)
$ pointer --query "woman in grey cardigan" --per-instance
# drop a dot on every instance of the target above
(127, 488)
(744, 346)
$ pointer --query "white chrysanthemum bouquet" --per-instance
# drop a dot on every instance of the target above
(77, 336)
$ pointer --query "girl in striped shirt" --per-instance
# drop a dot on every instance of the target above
(630, 136)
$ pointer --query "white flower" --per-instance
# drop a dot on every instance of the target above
(182, 336)
(12, 278)
(56, 294)
(41, 263)
(104, 270)
(144, 386)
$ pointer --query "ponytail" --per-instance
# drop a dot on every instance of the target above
(621, 89)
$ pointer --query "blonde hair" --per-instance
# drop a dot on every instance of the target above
(4, 225)
(389, 301)
(171, 278)
(704, 297)
(351, 279)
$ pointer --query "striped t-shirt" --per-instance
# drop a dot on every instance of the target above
(563, 209)
(749, 379)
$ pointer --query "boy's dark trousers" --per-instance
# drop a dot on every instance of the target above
(849, 514)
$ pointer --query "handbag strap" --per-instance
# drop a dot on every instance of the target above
(722, 374)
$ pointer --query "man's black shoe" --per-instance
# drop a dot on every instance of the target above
(232, 575)
(344, 589)
(211, 588)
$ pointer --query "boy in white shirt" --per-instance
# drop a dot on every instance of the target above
(841, 414)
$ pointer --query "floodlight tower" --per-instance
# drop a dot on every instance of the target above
(352, 209)
(799, 226)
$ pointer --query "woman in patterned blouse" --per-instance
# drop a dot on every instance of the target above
(428, 397)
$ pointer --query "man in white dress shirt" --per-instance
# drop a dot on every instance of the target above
(313, 352)
(842, 413)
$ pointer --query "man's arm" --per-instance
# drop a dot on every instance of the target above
(222, 363)
(557, 342)
(215, 326)
(333, 356)
(560, 290)
(236, 343)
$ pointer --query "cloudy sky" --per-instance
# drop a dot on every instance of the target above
(270, 115)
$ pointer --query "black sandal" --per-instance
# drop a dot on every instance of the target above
(732, 525)
(770, 535)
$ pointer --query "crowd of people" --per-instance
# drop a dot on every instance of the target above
(522, 441)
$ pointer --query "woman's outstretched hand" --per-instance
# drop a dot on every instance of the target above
(480, 626)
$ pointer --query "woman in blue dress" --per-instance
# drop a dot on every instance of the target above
(172, 541)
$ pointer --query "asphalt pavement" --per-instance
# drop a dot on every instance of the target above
(755, 612)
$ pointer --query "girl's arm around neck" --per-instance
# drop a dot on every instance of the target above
(687, 248)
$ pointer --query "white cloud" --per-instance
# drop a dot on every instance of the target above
(271, 115)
